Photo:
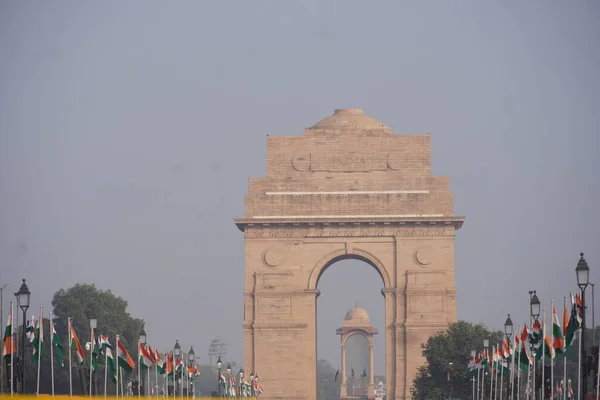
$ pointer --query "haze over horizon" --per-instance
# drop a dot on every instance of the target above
(128, 132)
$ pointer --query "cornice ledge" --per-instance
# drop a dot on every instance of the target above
(242, 223)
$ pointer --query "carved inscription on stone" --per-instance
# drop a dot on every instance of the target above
(274, 305)
(343, 231)
(344, 162)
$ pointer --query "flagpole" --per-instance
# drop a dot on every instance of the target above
(139, 369)
(598, 375)
(478, 373)
(12, 351)
(514, 358)
(91, 357)
(492, 373)
(70, 369)
(565, 352)
(482, 396)
(501, 369)
(51, 322)
(40, 339)
(496, 375)
(543, 350)
(156, 374)
(519, 366)
(579, 369)
(105, 370)
(148, 380)
(116, 359)
(552, 356)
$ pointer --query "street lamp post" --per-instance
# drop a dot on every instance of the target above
(142, 341)
(93, 324)
(508, 332)
(583, 279)
(219, 365)
(191, 357)
(23, 296)
(486, 346)
(241, 377)
(176, 355)
(535, 311)
(252, 383)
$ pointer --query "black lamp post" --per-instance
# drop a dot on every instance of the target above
(93, 324)
(241, 373)
(508, 332)
(252, 383)
(176, 355)
(535, 311)
(583, 280)
(23, 296)
(219, 365)
(141, 378)
(191, 357)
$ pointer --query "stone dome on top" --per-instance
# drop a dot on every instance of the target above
(357, 317)
(350, 120)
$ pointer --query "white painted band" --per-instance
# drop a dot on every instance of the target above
(349, 192)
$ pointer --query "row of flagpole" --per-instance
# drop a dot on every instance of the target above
(558, 341)
(150, 358)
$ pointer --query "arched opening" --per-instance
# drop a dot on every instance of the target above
(347, 282)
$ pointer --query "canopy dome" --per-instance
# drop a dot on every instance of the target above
(357, 317)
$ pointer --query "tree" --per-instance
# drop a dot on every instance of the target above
(328, 387)
(448, 353)
(78, 302)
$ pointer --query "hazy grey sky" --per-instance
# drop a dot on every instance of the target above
(128, 131)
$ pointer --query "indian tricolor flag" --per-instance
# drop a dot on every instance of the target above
(146, 359)
(38, 340)
(10, 346)
(525, 357)
(124, 359)
(169, 365)
(56, 342)
(557, 333)
(104, 343)
(75, 345)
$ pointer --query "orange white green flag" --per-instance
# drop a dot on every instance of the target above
(75, 345)
(9, 346)
(557, 333)
(56, 342)
(124, 359)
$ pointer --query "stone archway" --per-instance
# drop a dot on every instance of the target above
(347, 188)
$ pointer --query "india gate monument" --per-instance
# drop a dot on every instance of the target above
(348, 188)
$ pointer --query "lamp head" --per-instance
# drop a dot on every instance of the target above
(219, 363)
(535, 306)
(583, 273)
(508, 327)
(177, 348)
(23, 296)
(143, 336)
